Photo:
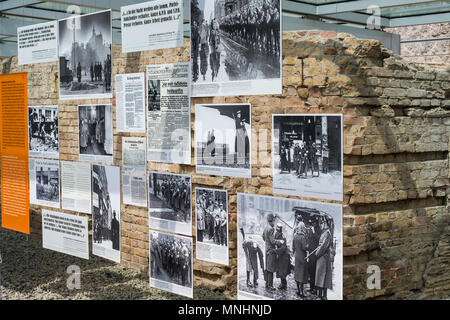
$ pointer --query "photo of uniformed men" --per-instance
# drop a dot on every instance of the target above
(289, 249)
(170, 197)
(307, 157)
(106, 211)
(212, 216)
(171, 261)
(154, 95)
(235, 40)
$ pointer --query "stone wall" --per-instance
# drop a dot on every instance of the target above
(396, 171)
(435, 50)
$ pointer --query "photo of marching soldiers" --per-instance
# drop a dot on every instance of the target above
(85, 65)
(307, 156)
(171, 263)
(106, 211)
(95, 132)
(170, 202)
(289, 249)
(43, 133)
(236, 40)
(223, 139)
(154, 95)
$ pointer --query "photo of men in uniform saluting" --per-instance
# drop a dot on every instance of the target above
(170, 202)
(308, 155)
(289, 249)
(171, 263)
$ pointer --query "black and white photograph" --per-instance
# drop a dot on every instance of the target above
(235, 47)
(44, 182)
(289, 249)
(95, 130)
(106, 212)
(308, 155)
(85, 56)
(43, 132)
(170, 202)
(154, 95)
(223, 139)
(171, 263)
(211, 210)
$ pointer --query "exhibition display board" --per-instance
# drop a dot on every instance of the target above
(14, 152)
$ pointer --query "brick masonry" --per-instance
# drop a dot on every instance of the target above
(396, 170)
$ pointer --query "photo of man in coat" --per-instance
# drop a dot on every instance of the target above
(323, 266)
(270, 254)
(252, 253)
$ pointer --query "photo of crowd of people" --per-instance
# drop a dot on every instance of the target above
(43, 133)
(171, 262)
(293, 243)
(170, 200)
(96, 131)
(211, 208)
(307, 157)
(235, 41)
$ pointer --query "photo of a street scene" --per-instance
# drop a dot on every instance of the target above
(171, 263)
(289, 249)
(106, 211)
(154, 95)
(47, 184)
(307, 155)
(235, 40)
(43, 133)
(85, 60)
(170, 201)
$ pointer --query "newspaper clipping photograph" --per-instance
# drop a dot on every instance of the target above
(44, 182)
(130, 102)
(289, 249)
(169, 113)
(76, 186)
(170, 202)
(134, 190)
(65, 233)
(134, 156)
(152, 25)
(171, 263)
(211, 212)
(43, 132)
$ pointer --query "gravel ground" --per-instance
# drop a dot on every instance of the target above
(30, 272)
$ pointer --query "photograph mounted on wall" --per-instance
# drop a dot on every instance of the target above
(171, 263)
(289, 249)
(235, 47)
(308, 155)
(85, 56)
(223, 139)
(43, 132)
(44, 183)
(95, 133)
(211, 212)
(106, 212)
(170, 202)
